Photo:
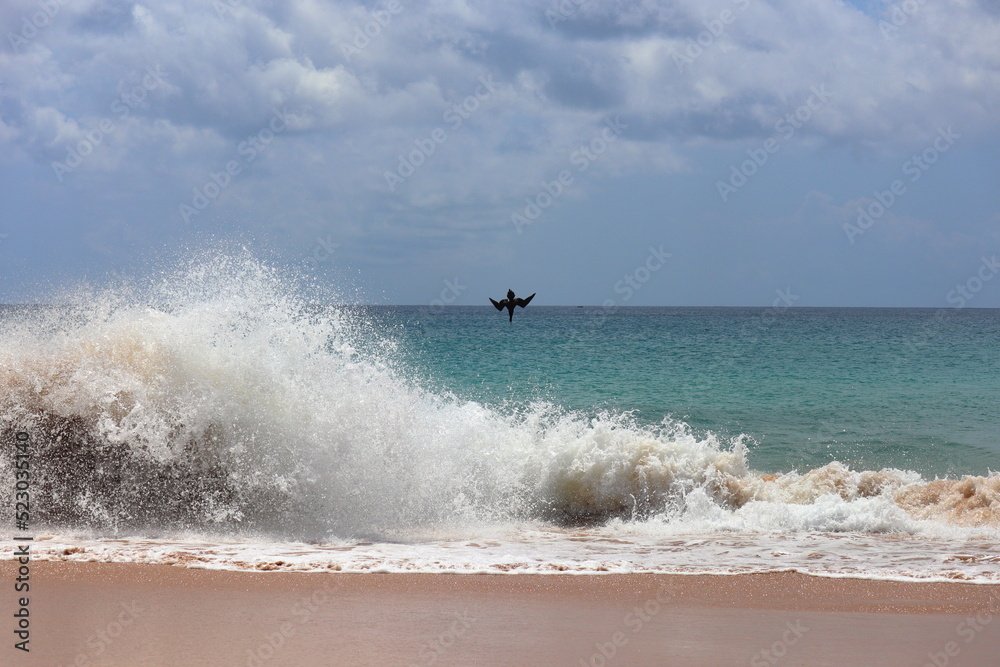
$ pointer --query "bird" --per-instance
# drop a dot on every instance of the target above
(510, 302)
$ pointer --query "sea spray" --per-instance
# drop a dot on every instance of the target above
(219, 401)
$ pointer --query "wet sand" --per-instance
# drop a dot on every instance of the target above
(133, 614)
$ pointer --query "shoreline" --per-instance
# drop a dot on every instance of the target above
(867, 557)
(145, 614)
(270, 566)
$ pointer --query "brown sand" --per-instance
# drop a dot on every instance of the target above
(124, 614)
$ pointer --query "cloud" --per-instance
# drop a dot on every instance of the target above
(364, 83)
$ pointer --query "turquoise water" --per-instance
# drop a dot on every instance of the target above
(219, 413)
(914, 389)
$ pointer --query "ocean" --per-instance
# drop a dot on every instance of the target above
(222, 416)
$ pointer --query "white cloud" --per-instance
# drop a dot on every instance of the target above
(354, 116)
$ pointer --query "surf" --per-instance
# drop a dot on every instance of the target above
(220, 400)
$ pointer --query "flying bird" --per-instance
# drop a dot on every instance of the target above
(512, 301)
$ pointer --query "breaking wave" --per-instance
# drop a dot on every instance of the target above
(219, 401)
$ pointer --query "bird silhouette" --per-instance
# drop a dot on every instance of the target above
(510, 302)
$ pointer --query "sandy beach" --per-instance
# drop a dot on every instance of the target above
(130, 614)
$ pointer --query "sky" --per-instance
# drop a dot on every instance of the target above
(698, 152)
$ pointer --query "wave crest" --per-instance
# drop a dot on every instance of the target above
(220, 402)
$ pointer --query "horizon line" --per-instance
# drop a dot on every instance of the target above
(559, 305)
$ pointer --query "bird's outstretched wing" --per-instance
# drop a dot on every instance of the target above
(525, 302)
(499, 306)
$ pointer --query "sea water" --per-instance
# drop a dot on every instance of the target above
(219, 417)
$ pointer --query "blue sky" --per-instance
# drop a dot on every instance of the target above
(846, 154)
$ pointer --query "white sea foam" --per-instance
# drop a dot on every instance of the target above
(219, 403)
(539, 549)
